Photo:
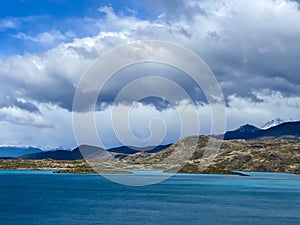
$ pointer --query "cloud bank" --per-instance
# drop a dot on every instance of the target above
(252, 47)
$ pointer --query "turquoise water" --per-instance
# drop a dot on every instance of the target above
(41, 197)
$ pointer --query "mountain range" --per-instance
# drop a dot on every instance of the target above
(283, 131)
(287, 130)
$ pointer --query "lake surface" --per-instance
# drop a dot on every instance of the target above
(38, 197)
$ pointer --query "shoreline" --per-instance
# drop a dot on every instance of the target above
(148, 172)
(131, 172)
(82, 167)
(100, 167)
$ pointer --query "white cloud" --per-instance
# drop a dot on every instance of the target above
(22, 117)
(7, 24)
(272, 105)
(16, 22)
(52, 127)
(47, 37)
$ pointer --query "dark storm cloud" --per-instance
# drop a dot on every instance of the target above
(256, 52)
(28, 106)
(12, 102)
(139, 73)
(248, 71)
(253, 46)
(58, 92)
(142, 71)
(8, 97)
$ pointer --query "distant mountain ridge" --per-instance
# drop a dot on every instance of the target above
(287, 130)
(92, 152)
(14, 151)
(81, 152)
(133, 150)
(11, 151)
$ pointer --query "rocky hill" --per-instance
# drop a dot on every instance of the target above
(241, 155)
(260, 156)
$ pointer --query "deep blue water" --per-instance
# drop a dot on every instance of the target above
(46, 198)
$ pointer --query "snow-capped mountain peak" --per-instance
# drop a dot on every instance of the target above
(275, 122)
(40, 147)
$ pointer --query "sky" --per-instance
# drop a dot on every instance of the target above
(252, 48)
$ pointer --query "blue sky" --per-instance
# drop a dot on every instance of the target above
(252, 47)
(33, 17)
(78, 17)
